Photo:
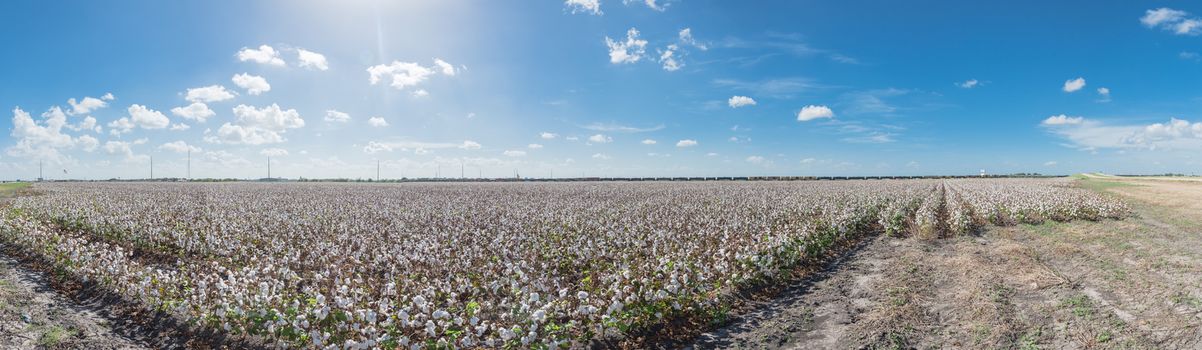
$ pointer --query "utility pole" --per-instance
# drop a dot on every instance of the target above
(152, 167)
(377, 170)
(189, 175)
(461, 169)
(39, 171)
(269, 167)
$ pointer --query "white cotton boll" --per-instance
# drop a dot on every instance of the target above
(582, 295)
(539, 316)
(441, 314)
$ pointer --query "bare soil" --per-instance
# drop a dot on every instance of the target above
(1129, 284)
(35, 316)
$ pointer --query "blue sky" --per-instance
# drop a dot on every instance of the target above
(570, 89)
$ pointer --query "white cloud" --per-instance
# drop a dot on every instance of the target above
(147, 118)
(211, 93)
(87, 105)
(711, 154)
(1176, 21)
(469, 145)
(1104, 94)
(600, 138)
(401, 74)
(118, 147)
(547, 135)
(1072, 85)
(237, 134)
(621, 128)
(311, 60)
(686, 143)
(601, 156)
(336, 116)
(628, 51)
(43, 141)
(812, 112)
(648, 142)
(652, 4)
(534, 146)
(444, 67)
(265, 54)
(757, 160)
(274, 152)
(686, 37)
(108, 96)
(121, 126)
(197, 111)
(1049, 163)
(740, 101)
(1153, 18)
(179, 127)
(968, 84)
(417, 147)
(514, 153)
(873, 137)
(378, 122)
(668, 58)
(1088, 134)
(87, 143)
(1063, 120)
(88, 124)
(179, 147)
(253, 84)
(256, 126)
(584, 6)
(270, 118)
(420, 93)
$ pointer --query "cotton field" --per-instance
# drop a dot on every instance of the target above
(520, 265)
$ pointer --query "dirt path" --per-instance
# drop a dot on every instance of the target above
(1128, 284)
(34, 316)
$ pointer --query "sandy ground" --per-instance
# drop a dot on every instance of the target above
(1131, 284)
(35, 316)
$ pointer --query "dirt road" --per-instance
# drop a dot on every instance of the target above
(1135, 283)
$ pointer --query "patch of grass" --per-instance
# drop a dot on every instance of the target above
(897, 341)
(1000, 293)
(1115, 272)
(1182, 298)
(1102, 185)
(54, 335)
(1030, 339)
(1080, 305)
(898, 296)
(11, 189)
(1047, 228)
